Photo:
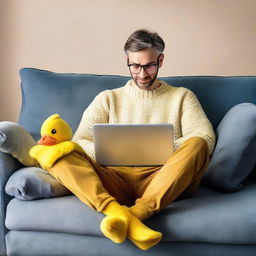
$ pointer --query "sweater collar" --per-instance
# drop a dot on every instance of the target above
(134, 90)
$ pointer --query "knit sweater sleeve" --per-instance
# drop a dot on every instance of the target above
(194, 122)
(95, 113)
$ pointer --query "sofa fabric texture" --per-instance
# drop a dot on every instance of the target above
(213, 222)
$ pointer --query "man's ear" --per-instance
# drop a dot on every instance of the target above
(161, 59)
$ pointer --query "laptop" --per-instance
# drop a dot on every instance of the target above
(133, 144)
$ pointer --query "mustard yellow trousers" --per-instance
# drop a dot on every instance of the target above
(146, 189)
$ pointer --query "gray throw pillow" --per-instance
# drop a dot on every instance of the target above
(235, 153)
(15, 140)
(34, 183)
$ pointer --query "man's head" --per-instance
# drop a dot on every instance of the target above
(144, 51)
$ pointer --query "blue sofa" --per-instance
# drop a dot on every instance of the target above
(213, 222)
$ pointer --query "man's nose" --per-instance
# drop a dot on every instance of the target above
(142, 73)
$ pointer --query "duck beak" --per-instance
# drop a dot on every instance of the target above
(47, 140)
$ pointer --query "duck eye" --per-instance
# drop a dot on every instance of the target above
(53, 131)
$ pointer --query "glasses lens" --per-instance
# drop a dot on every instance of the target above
(150, 69)
(135, 69)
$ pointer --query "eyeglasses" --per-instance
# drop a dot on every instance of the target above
(150, 69)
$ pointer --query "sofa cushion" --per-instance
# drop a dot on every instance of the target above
(34, 183)
(210, 217)
(16, 141)
(235, 153)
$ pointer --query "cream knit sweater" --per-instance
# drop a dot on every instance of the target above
(130, 104)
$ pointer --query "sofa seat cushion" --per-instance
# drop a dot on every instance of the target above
(211, 217)
(30, 243)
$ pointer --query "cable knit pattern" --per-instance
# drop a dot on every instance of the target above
(132, 105)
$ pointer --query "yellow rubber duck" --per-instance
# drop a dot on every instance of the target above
(54, 143)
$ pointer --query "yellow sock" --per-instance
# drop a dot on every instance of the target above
(114, 228)
(120, 223)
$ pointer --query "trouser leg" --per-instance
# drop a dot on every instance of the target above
(183, 168)
(94, 185)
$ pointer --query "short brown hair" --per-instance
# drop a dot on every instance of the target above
(143, 39)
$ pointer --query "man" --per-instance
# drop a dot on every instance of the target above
(129, 195)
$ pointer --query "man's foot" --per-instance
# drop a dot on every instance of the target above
(115, 223)
(141, 235)
(148, 243)
(114, 228)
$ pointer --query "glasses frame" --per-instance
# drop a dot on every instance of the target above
(143, 66)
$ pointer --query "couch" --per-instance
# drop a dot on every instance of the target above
(213, 222)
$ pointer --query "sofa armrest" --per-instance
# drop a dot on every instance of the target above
(8, 165)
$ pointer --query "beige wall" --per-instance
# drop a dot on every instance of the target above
(203, 37)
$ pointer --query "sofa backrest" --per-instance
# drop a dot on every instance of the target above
(68, 94)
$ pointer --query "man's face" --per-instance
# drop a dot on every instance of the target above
(143, 79)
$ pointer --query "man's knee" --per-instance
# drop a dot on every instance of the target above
(198, 142)
(198, 146)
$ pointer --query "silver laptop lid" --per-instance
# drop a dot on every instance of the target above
(133, 144)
